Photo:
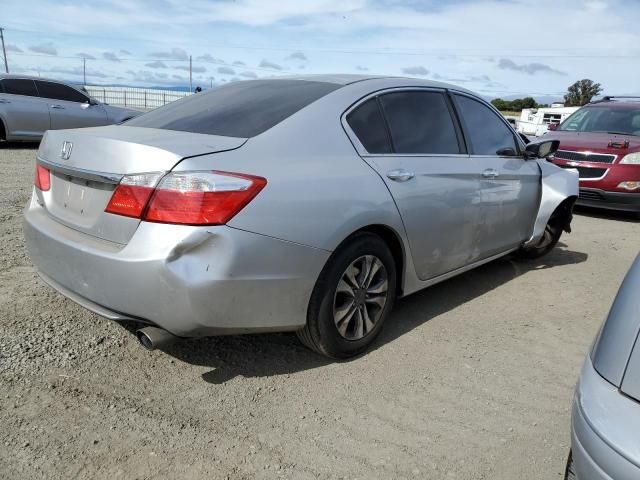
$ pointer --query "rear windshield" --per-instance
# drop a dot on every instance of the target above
(242, 109)
(620, 120)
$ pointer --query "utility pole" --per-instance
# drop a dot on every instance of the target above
(190, 77)
(4, 52)
(84, 70)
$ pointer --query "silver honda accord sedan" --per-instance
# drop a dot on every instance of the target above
(304, 204)
(31, 105)
(606, 409)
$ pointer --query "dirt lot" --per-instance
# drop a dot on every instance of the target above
(471, 379)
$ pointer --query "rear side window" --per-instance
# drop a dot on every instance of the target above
(486, 132)
(57, 91)
(420, 122)
(241, 109)
(19, 86)
(367, 123)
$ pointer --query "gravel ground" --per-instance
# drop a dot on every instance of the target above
(471, 379)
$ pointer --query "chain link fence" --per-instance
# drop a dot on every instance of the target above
(141, 98)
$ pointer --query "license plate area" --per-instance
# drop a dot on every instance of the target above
(78, 201)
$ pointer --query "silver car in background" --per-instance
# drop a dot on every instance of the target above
(301, 204)
(29, 106)
(605, 421)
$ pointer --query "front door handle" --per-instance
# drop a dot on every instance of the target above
(490, 173)
(60, 107)
(2, 100)
(400, 175)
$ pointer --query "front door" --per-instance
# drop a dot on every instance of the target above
(25, 115)
(509, 186)
(70, 108)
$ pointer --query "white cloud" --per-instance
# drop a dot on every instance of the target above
(271, 65)
(45, 48)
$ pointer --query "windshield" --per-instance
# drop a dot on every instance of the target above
(624, 121)
(241, 109)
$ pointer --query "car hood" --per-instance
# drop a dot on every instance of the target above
(595, 141)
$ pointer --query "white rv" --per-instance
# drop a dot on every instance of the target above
(535, 121)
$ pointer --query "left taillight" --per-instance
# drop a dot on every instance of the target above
(186, 198)
(42, 180)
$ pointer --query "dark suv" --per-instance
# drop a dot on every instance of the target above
(602, 141)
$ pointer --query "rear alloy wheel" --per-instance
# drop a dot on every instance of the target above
(352, 298)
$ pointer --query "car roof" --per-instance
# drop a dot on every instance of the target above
(350, 78)
(30, 77)
(620, 103)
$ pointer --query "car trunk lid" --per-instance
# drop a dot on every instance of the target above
(87, 164)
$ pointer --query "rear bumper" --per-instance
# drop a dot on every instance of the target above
(603, 440)
(191, 281)
(595, 197)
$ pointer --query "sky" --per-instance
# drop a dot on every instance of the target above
(498, 48)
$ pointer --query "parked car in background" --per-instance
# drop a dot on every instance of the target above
(29, 106)
(605, 420)
(301, 204)
(535, 122)
(602, 141)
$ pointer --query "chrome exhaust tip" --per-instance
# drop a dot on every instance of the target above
(152, 338)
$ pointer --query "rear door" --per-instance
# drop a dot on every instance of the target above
(25, 115)
(69, 108)
(510, 189)
(417, 149)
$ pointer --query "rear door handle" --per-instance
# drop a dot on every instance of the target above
(490, 173)
(60, 107)
(2, 100)
(400, 175)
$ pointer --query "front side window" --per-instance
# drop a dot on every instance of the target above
(19, 86)
(420, 123)
(367, 123)
(486, 132)
(57, 91)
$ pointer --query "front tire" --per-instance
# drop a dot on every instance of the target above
(549, 240)
(352, 298)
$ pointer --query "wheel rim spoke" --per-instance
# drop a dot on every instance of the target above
(344, 312)
(344, 288)
(378, 289)
(368, 323)
(378, 300)
(359, 327)
(375, 268)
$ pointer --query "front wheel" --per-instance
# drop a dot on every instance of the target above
(352, 298)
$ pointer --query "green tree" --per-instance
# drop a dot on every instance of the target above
(500, 104)
(581, 93)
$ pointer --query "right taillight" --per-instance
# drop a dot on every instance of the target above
(42, 180)
(187, 198)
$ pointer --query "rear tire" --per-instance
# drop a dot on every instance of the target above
(351, 299)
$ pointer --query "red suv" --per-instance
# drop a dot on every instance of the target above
(602, 141)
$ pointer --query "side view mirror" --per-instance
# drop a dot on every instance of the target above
(93, 101)
(542, 149)
(553, 127)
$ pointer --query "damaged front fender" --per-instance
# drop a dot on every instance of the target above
(559, 189)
